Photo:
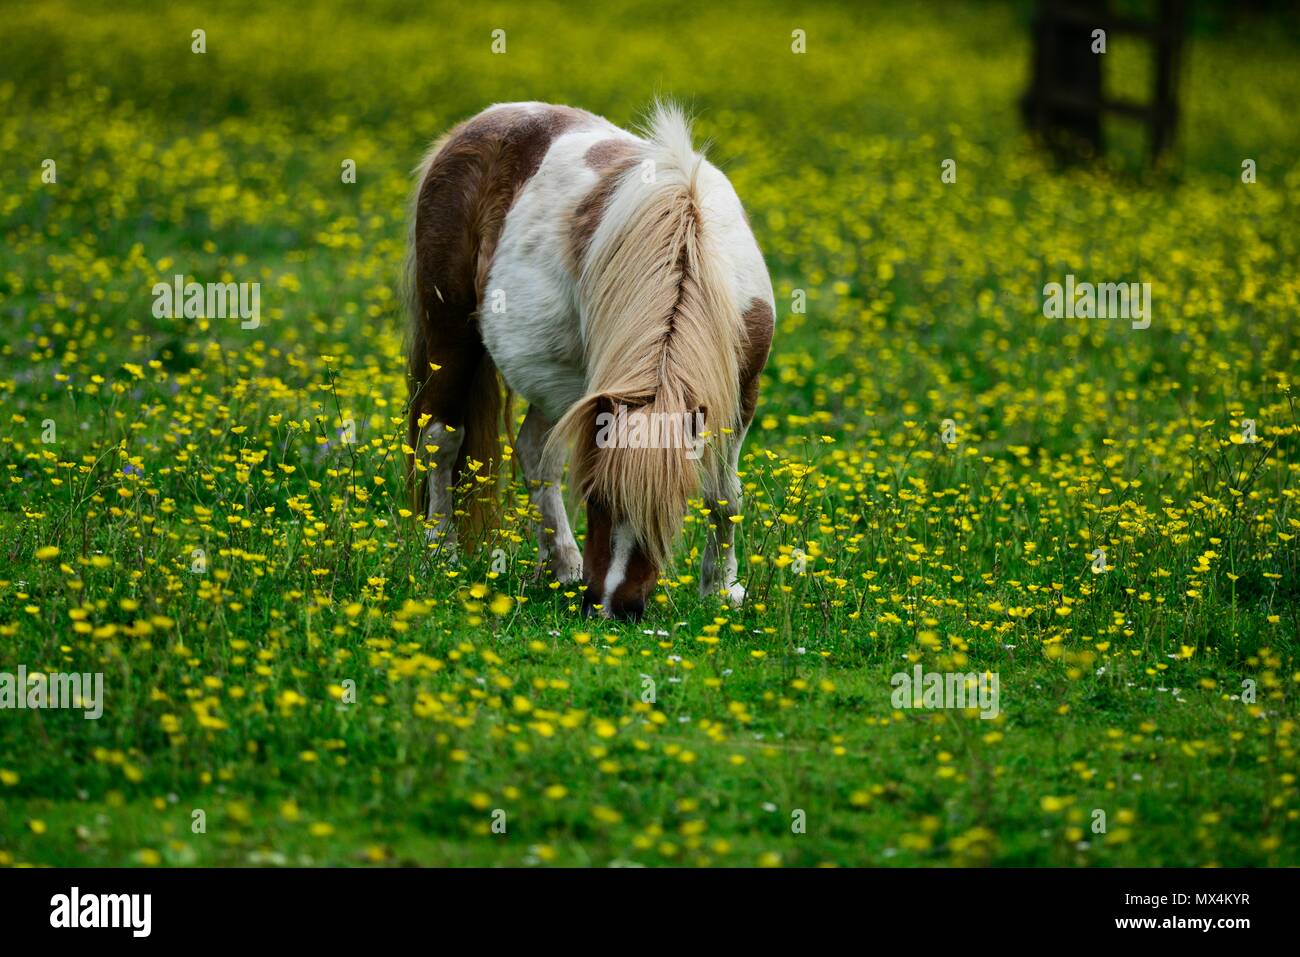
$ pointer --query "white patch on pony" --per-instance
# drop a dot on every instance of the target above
(536, 342)
(622, 540)
(732, 238)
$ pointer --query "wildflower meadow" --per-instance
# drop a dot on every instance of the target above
(1095, 518)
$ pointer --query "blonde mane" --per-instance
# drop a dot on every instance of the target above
(662, 335)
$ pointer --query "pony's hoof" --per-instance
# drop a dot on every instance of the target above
(443, 547)
(734, 593)
(566, 566)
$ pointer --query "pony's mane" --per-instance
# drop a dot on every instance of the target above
(662, 335)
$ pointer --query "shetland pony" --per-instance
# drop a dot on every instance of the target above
(599, 273)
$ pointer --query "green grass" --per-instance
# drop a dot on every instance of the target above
(478, 691)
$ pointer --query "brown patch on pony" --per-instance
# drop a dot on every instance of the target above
(472, 183)
(611, 158)
(596, 555)
(759, 323)
(467, 185)
(606, 153)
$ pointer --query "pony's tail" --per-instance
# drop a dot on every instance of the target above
(418, 355)
(477, 475)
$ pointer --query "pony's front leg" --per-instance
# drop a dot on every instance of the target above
(555, 542)
(439, 447)
(718, 566)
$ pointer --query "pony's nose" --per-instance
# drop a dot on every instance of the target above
(630, 610)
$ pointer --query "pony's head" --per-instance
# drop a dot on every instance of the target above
(636, 467)
(620, 572)
(637, 474)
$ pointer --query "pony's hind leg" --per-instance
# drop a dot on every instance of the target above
(444, 362)
(718, 567)
(439, 446)
(555, 542)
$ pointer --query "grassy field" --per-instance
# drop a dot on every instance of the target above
(214, 517)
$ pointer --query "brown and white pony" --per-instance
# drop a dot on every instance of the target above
(590, 269)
